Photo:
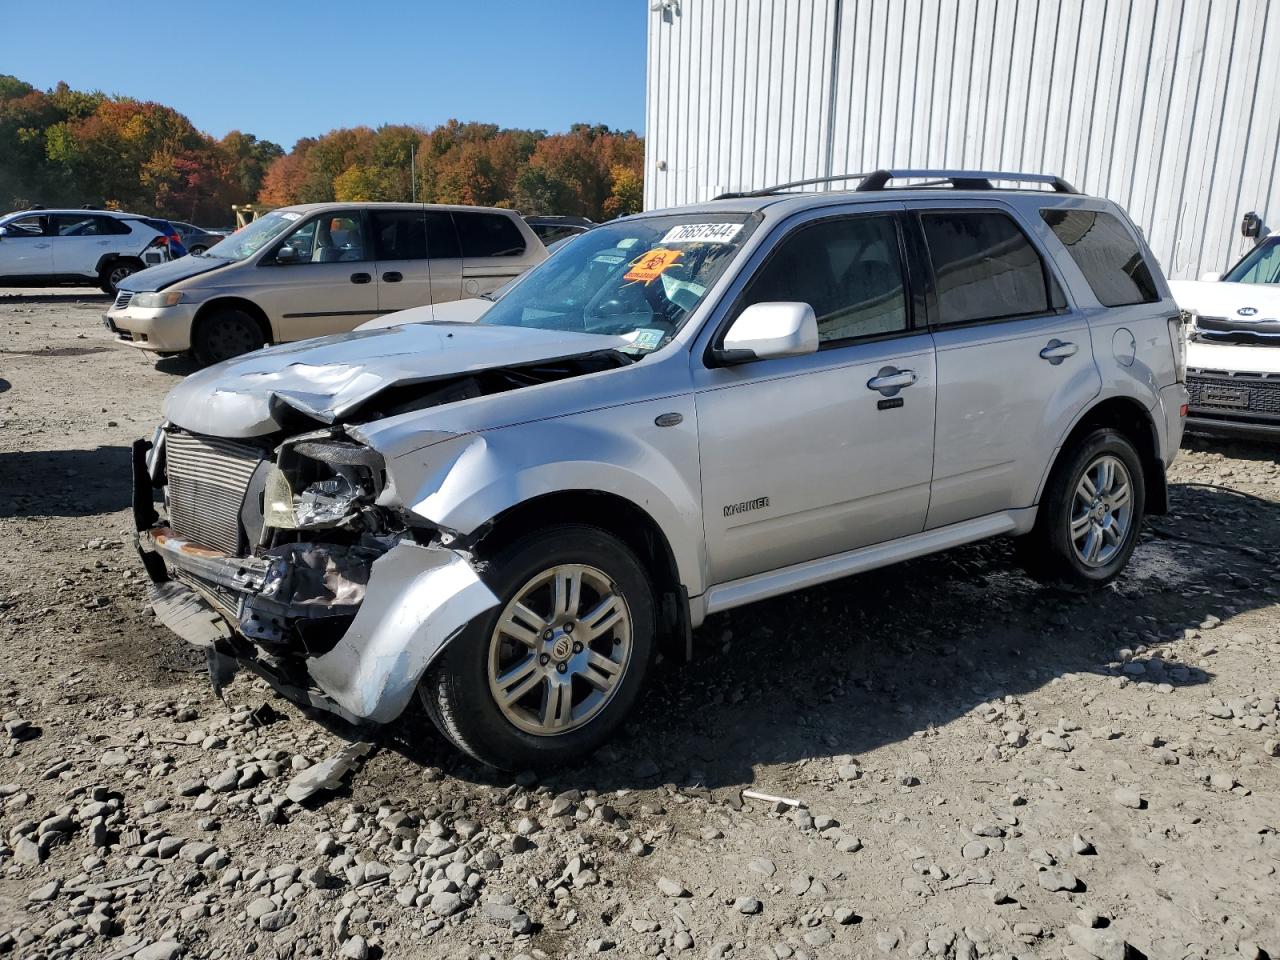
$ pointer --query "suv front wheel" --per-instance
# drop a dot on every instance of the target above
(546, 676)
(1091, 513)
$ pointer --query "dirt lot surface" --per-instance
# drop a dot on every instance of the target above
(987, 767)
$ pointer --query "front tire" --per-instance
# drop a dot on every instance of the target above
(225, 334)
(548, 674)
(1091, 513)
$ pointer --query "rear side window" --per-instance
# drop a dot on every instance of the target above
(985, 267)
(399, 234)
(847, 269)
(1106, 254)
(488, 235)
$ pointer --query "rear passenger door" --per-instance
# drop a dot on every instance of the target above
(492, 251)
(418, 262)
(1014, 358)
(81, 240)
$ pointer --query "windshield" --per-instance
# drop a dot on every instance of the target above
(249, 239)
(639, 278)
(1259, 265)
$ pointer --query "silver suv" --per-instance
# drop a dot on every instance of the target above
(679, 413)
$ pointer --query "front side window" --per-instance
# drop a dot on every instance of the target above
(33, 226)
(639, 278)
(488, 235)
(849, 270)
(1259, 265)
(328, 238)
(1106, 254)
(985, 268)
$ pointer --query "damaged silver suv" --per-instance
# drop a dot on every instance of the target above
(679, 413)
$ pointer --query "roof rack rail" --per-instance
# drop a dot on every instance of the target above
(963, 179)
(878, 179)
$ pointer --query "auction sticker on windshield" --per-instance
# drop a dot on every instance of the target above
(649, 266)
(703, 233)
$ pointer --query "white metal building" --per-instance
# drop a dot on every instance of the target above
(1170, 108)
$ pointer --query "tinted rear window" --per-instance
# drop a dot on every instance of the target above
(1106, 254)
(488, 235)
(414, 235)
(986, 268)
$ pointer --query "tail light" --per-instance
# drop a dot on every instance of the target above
(1178, 329)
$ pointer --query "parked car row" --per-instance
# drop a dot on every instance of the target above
(675, 414)
(100, 247)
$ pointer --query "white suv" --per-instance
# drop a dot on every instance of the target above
(94, 247)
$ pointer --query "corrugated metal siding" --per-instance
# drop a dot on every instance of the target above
(1169, 107)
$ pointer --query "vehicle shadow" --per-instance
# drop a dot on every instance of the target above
(178, 365)
(881, 658)
(1248, 450)
(64, 483)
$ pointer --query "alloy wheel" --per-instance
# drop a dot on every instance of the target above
(1101, 511)
(560, 650)
(118, 274)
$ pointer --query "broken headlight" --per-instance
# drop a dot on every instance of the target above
(318, 483)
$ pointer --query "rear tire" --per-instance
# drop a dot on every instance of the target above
(224, 334)
(114, 273)
(571, 660)
(1090, 515)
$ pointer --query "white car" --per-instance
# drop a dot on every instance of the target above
(1233, 353)
(94, 247)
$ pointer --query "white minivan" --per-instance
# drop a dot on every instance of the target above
(317, 269)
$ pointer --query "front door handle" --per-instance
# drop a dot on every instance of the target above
(360, 278)
(1055, 351)
(393, 276)
(890, 380)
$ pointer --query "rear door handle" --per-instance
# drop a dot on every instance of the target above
(890, 380)
(1055, 351)
(393, 276)
(360, 278)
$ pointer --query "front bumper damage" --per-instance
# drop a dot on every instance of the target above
(347, 629)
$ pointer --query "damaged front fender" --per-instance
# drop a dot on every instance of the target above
(418, 598)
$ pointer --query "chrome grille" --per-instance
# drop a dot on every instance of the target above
(208, 478)
(122, 299)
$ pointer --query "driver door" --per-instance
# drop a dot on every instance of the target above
(804, 457)
(328, 284)
(26, 249)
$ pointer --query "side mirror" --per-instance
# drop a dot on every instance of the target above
(1210, 277)
(287, 255)
(767, 330)
(4, 232)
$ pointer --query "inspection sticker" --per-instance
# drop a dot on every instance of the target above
(290, 215)
(703, 233)
(608, 258)
(649, 266)
(646, 338)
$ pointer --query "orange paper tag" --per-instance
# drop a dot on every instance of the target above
(649, 266)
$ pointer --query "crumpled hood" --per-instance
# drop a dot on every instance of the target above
(328, 377)
(1220, 299)
(164, 275)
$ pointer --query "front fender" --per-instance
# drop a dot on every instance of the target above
(418, 598)
(463, 482)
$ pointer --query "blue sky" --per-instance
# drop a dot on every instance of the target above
(283, 70)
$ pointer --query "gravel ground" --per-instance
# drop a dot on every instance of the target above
(983, 767)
